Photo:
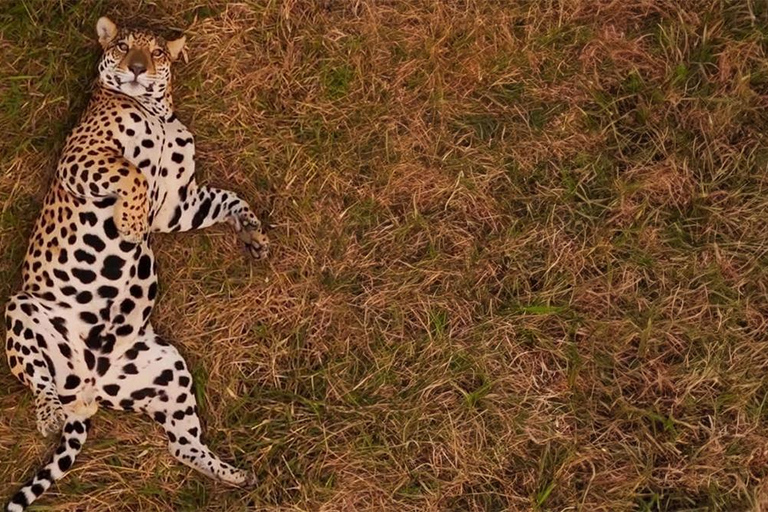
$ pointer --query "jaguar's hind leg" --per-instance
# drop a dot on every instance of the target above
(151, 377)
(28, 334)
(50, 415)
(182, 426)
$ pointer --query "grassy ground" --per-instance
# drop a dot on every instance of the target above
(520, 260)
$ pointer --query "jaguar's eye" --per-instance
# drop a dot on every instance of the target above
(157, 53)
(122, 47)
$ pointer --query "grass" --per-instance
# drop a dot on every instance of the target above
(520, 259)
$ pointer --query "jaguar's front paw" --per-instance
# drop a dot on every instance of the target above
(131, 219)
(250, 231)
(256, 242)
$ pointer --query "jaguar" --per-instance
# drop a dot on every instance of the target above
(78, 332)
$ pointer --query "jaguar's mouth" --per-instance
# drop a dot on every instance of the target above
(132, 87)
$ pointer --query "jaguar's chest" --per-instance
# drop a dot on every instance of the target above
(160, 148)
(177, 153)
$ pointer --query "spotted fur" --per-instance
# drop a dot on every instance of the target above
(78, 331)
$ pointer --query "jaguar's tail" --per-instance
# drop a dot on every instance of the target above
(73, 437)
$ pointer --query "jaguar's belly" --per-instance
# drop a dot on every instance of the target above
(102, 287)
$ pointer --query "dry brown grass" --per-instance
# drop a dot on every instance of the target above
(520, 253)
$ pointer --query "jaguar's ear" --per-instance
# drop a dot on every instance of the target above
(177, 48)
(106, 30)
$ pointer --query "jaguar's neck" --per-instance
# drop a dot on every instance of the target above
(161, 106)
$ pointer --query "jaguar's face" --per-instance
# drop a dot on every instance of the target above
(135, 62)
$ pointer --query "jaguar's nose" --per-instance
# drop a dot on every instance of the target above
(137, 68)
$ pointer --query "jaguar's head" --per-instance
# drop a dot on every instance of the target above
(136, 62)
